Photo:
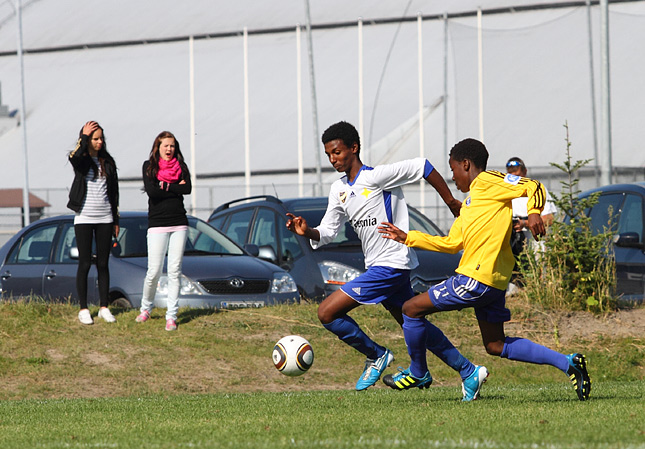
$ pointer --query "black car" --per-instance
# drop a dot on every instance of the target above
(260, 222)
(620, 208)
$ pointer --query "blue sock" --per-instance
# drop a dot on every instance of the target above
(416, 334)
(347, 330)
(439, 345)
(524, 350)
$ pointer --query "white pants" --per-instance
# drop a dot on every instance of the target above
(174, 242)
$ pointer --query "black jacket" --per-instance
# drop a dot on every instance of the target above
(82, 162)
(166, 206)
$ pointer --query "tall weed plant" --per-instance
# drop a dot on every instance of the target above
(573, 267)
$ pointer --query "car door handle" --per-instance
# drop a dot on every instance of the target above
(6, 275)
(51, 274)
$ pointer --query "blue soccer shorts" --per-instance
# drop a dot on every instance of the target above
(380, 284)
(459, 292)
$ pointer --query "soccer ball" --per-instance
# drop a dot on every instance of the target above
(293, 355)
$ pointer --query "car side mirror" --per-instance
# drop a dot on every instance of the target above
(252, 249)
(267, 253)
(628, 240)
(73, 253)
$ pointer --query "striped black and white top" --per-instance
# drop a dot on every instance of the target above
(96, 207)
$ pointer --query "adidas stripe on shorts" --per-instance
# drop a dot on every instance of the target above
(459, 292)
(379, 284)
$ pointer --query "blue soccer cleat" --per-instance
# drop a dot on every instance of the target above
(404, 380)
(373, 370)
(472, 384)
(578, 375)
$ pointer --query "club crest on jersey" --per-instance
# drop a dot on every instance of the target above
(342, 196)
(512, 179)
(366, 193)
(467, 202)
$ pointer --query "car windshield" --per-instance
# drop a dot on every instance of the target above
(202, 239)
(314, 213)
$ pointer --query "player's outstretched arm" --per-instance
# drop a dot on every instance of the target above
(298, 225)
(389, 231)
(536, 225)
(436, 180)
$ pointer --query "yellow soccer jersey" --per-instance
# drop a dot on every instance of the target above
(483, 228)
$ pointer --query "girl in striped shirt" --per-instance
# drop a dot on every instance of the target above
(94, 197)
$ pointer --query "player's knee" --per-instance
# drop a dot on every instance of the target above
(324, 314)
(494, 348)
(412, 310)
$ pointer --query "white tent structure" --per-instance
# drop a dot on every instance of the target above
(132, 66)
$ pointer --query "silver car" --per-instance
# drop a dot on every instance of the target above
(41, 260)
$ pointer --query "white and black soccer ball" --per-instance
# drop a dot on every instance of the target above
(293, 355)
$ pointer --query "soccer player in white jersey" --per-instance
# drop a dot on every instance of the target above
(366, 197)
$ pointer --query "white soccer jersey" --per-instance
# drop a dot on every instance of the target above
(519, 206)
(375, 196)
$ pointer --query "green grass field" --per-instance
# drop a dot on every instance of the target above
(509, 416)
(212, 384)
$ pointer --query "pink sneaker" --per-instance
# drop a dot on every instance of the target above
(171, 325)
(142, 317)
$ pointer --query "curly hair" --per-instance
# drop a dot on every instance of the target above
(470, 149)
(343, 131)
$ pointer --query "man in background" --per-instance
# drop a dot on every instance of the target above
(521, 233)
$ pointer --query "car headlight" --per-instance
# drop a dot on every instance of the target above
(337, 273)
(283, 283)
(186, 286)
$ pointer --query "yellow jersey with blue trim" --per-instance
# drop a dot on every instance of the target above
(483, 228)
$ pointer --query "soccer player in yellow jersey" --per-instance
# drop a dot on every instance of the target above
(482, 231)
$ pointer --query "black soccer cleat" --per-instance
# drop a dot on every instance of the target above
(404, 380)
(578, 375)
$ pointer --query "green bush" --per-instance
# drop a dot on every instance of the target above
(572, 268)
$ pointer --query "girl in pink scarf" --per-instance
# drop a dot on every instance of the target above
(166, 180)
(169, 170)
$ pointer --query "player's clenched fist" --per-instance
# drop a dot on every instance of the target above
(298, 225)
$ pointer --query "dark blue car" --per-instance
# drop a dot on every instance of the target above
(261, 221)
(621, 207)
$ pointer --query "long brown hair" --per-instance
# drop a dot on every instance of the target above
(102, 155)
(153, 167)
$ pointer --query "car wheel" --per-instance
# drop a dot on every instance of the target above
(121, 302)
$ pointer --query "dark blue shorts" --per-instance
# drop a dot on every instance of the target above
(380, 284)
(459, 292)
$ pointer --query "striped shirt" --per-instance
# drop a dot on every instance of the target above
(96, 206)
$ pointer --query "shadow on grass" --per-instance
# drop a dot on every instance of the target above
(184, 316)
(188, 315)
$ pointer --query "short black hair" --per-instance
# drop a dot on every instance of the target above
(343, 131)
(470, 149)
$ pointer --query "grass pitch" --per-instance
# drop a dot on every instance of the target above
(212, 384)
(508, 416)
